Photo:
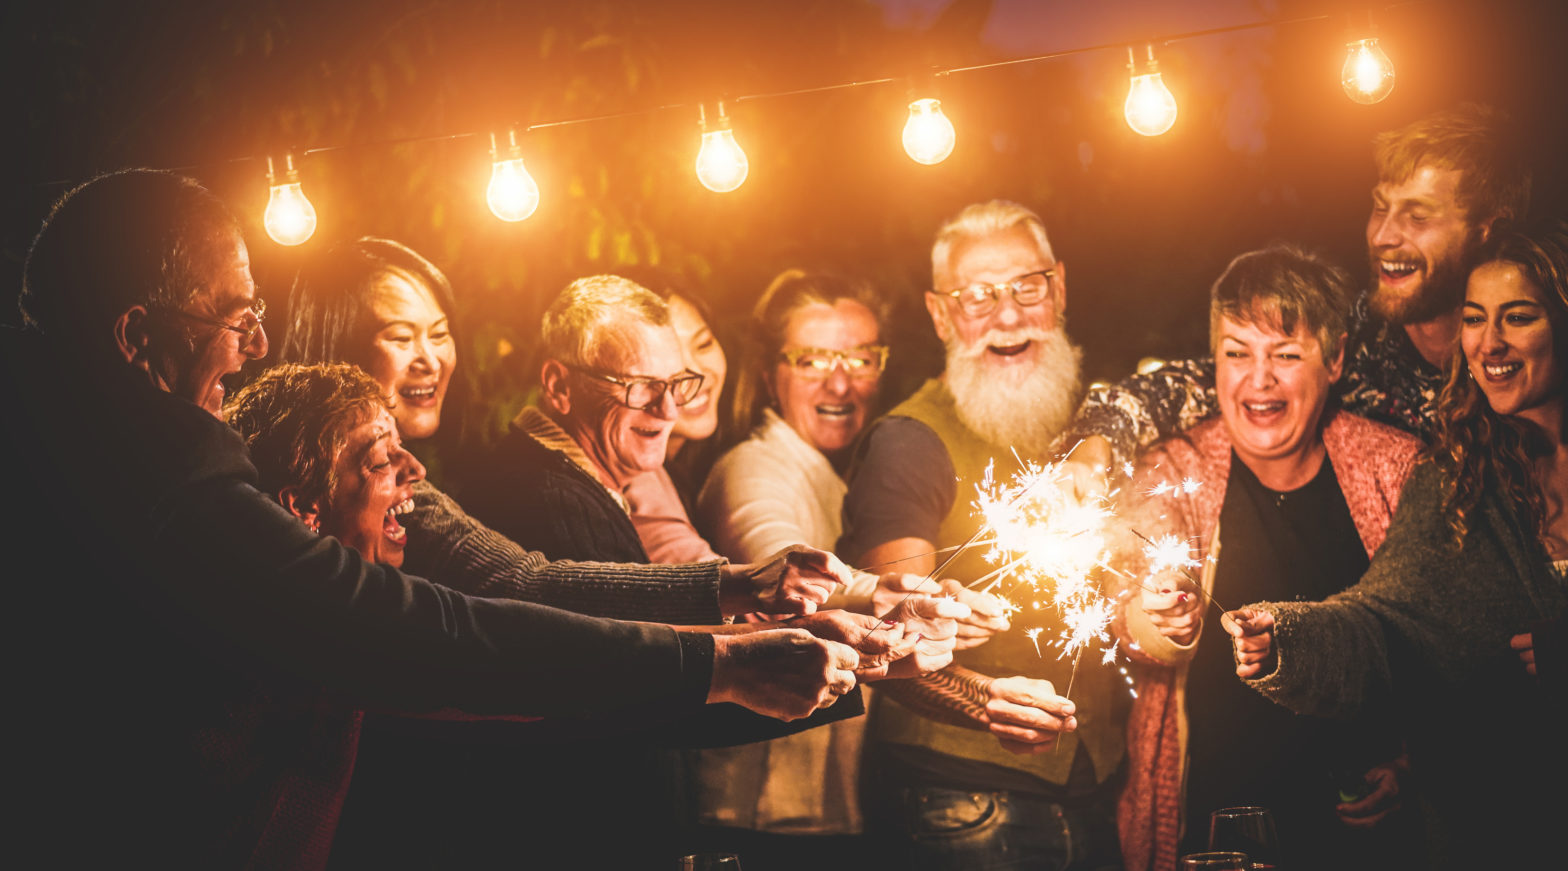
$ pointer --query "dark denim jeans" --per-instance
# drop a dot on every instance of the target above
(934, 829)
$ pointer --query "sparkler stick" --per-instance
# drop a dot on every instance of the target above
(1197, 585)
(972, 541)
(1001, 571)
(940, 550)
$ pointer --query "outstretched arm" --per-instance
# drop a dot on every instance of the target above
(447, 543)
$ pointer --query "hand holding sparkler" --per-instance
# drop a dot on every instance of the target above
(1252, 635)
(984, 614)
(1177, 613)
(933, 622)
(783, 673)
(793, 581)
(1026, 715)
(879, 643)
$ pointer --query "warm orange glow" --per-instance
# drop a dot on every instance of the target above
(1368, 74)
(928, 134)
(290, 219)
(721, 164)
(1150, 107)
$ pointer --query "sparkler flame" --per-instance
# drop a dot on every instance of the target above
(1046, 537)
(1052, 541)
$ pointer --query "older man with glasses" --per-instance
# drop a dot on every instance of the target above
(959, 768)
(611, 383)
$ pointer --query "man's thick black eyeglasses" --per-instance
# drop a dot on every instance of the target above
(641, 394)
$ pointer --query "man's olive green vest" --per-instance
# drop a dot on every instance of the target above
(1011, 652)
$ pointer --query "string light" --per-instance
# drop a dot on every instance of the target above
(1150, 106)
(928, 134)
(290, 219)
(721, 164)
(1368, 74)
(512, 195)
(1150, 109)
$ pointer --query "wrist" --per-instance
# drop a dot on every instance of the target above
(735, 590)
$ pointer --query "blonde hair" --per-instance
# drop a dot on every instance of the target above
(592, 312)
(979, 221)
(1472, 139)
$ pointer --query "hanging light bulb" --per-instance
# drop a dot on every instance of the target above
(928, 134)
(290, 219)
(512, 195)
(1150, 108)
(721, 165)
(1368, 74)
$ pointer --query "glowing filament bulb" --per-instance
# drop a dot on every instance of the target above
(928, 134)
(1150, 108)
(290, 219)
(1368, 74)
(512, 195)
(721, 165)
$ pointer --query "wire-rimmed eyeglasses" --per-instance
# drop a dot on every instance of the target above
(980, 299)
(248, 329)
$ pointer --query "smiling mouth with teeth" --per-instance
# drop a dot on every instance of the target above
(835, 410)
(389, 525)
(1264, 408)
(418, 395)
(1397, 269)
(1500, 371)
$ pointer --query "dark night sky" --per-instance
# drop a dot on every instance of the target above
(1267, 146)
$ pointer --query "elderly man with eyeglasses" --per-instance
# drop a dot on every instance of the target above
(612, 382)
(982, 764)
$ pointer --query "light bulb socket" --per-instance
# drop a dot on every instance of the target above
(290, 174)
(718, 121)
(512, 149)
(1150, 65)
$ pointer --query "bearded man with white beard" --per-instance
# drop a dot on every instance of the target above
(957, 772)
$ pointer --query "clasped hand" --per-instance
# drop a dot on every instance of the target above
(915, 639)
(985, 615)
(796, 580)
(1175, 609)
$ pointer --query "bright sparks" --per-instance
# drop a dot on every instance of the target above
(1169, 553)
(1052, 542)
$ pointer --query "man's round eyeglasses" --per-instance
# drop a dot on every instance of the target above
(247, 328)
(866, 361)
(642, 394)
(980, 299)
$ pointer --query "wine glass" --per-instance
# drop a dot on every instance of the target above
(1248, 830)
(1220, 861)
(710, 862)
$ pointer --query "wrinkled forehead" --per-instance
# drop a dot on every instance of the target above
(630, 346)
(995, 257)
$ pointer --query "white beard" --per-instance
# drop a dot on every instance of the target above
(1022, 407)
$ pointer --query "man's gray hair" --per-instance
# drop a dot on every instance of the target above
(979, 221)
(594, 313)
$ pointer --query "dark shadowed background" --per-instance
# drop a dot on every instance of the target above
(1267, 146)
